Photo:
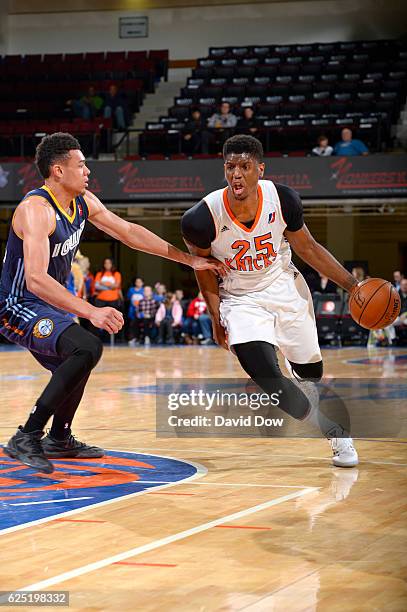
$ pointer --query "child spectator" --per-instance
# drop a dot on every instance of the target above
(323, 149)
(134, 295)
(168, 317)
(159, 293)
(145, 316)
(198, 323)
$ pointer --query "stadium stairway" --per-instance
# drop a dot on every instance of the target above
(156, 105)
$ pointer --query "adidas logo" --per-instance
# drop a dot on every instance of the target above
(224, 228)
(58, 217)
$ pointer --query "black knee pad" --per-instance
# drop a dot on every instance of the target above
(308, 371)
(95, 349)
(258, 359)
(79, 342)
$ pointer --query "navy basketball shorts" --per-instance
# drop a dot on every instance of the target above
(35, 326)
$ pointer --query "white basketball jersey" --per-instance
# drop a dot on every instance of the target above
(255, 256)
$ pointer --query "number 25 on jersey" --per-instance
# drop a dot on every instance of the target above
(255, 254)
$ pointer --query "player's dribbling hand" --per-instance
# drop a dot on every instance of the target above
(109, 319)
(208, 263)
(219, 335)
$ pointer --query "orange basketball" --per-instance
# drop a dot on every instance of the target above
(375, 303)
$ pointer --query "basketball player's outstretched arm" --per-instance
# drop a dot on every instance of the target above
(33, 222)
(315, 255)
(138, 237)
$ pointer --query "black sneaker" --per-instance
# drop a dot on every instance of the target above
(26, 447)
(69, 447)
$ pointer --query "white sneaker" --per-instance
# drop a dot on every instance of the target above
(344, 453)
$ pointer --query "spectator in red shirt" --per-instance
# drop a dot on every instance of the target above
(198, 323)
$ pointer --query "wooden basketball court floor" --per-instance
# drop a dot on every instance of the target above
(265, 524)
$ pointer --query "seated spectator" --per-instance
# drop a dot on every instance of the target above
(401, 322)
(247, 123)
(403, 295)
(324, 285)
(89, 105)
(195, 137)
(198, 325)
(359, 273)
(159, 293)
(397, 278)
(167, 318)
(323, 149)
(145, 317)
(397, 332)
(349, 146)
(79, 279)
(70, 285)
(223, 119)
(134, 294)
(222, 122)
(88, 286)
(179, 295)
(115, 105)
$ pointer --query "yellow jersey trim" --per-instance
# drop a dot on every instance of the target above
(58, 205)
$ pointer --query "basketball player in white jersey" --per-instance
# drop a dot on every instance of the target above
(264, 301)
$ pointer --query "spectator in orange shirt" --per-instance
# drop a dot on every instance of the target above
(108, 285)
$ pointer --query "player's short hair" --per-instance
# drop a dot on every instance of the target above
(52, 148)
(243, 144)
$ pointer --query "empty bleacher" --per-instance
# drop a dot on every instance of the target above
(35, 90)
(297, 92)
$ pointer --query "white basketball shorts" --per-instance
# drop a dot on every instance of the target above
(281, 314)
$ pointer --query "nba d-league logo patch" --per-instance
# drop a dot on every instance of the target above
(43, 328)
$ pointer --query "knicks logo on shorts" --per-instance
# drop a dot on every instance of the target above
(43, 328)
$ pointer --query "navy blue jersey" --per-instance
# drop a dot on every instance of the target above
(63, 244)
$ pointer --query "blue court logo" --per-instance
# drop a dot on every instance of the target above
(27, 496)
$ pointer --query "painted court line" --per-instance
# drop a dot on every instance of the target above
(50, 501)
(176, 537)
(250, 454)
(146, 564)
(243, 527)
(230, 484)
(65, 520)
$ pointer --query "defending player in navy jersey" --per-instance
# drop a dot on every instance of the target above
(43, 239)
(264, 301)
